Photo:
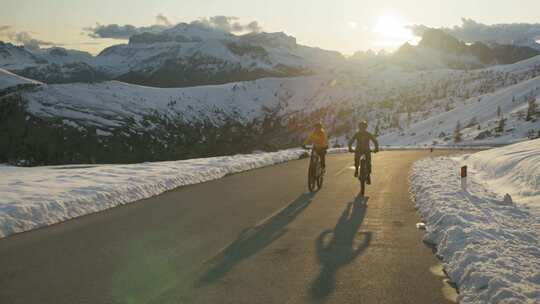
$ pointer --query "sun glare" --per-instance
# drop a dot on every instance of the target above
(392, 32)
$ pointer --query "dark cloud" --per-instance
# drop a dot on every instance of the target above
(229, 24)
(253, 26)
(116, 31)
(471, 31)
(162, 20)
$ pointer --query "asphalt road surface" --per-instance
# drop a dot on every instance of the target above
(253, 237)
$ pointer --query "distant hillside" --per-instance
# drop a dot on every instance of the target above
(438, 49)
(119, 122)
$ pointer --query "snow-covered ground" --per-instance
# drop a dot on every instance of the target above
(8, 79)
(514, 170)
(477, 115)
(490, 245)
(40, 196)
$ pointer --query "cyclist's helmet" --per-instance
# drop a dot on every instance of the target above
(363, 125)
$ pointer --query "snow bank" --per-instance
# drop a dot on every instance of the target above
(490, 247)
(514, 170)
(8, 79)
(436, 147)
(40, 196)
(476, 115)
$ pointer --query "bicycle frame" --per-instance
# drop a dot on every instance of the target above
(315, 172)
(315, 163)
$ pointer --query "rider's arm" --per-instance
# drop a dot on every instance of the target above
(325, 140)
(308, 139)
(352, 140)
(375, 142)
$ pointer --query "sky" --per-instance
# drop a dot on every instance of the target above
(346, 26)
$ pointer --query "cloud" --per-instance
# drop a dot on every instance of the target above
(229, 24)
(115, 31)
(162, 20)
(28, 41)
(471, 31)
(23, 38)
(418, 29)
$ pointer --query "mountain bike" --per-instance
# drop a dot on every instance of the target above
(315, 172)
(363, 173)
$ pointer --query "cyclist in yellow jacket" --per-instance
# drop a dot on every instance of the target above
(320, 142)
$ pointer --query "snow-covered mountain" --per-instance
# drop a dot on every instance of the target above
(66, 123)
(10, 80)
(437, 49)
(16, 58)
(51, 65)
(196, 54)
(191, 54)
(183, 55)
(118, 122)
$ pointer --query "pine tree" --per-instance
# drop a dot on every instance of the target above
(472, 122)
(457, 132)
(502, 123)
(531, 110)
(395, 121)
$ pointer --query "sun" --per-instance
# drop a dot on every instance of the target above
(388, 26)
(391, 31)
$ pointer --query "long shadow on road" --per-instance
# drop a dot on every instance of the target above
(342, 247)
(253, 239)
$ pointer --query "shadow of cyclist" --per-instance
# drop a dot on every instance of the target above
(342, 247)
(253, 239)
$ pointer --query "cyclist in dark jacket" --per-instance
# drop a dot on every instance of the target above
(362, 138)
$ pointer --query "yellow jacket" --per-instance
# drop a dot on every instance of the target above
(318, 138)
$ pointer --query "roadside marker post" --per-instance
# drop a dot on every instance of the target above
(463, 174)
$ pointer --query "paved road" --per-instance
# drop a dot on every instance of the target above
(254, 237)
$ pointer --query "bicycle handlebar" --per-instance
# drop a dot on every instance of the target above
(351, 150)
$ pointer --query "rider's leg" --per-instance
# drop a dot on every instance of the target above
(322, 155)
(356, 162)
(368, 161)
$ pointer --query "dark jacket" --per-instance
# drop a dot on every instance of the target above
(362, 139)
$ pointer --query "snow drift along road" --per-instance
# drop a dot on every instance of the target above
(514, 170)
(41, 196)
(490, 247)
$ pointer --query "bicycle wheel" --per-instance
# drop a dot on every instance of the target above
(320, 180)
(312, 181)
(363, 176)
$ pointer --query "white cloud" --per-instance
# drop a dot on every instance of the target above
(229, 24)
(24, 38)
